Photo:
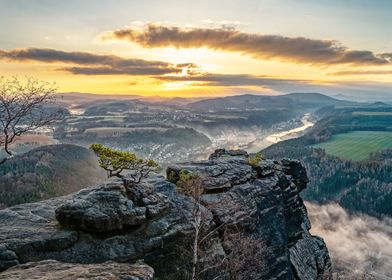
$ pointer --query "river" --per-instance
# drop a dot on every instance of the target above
(276, 137)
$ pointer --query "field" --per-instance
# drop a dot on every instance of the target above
(357, 145)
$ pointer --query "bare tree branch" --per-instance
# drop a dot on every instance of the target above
(24, 107)
(244, 255)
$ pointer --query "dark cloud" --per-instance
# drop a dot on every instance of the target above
(120, 71)
(96, 64)
(387, 56)
(295, 49)
(227, 80)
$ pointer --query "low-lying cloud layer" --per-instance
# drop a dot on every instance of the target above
(260, 46)
(361, 242)
(95, 64)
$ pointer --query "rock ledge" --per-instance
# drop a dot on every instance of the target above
(152, 221)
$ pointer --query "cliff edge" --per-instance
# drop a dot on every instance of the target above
(152, 223)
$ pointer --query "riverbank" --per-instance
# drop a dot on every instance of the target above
(276, 137)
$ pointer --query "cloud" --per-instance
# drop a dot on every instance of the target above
(259, 46)
(227, 80)
(121, 70)
(357, 242)
(387, 56)
(95, 64)
(361, 72)
(241, 82)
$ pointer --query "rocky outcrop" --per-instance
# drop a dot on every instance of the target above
(51, 270)
(112, 207)
(152, 221)
(263, 201)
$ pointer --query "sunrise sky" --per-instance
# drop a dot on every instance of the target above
(201, 48)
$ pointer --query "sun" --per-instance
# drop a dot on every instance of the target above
(178, 85)
(200, 56)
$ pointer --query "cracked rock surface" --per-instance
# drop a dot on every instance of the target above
(53, 270)
(152, 220)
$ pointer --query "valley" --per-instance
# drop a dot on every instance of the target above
(348, 140)
(179, 132)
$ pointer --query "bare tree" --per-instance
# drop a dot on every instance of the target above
(191, 185)
(245, 258)
(244, 255)
(24, 108)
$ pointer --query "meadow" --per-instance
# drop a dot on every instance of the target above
(357, 145)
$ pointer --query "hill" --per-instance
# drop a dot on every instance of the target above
(299, 101)
(313, 98)
(46, 172)
(82, 100)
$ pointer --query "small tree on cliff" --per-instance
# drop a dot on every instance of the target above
(254, 160)
(24, 107)
(115, 162)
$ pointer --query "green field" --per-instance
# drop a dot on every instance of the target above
(357, 145)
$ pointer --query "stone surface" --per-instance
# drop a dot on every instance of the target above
(152, 221)
(111, 207)
(308, 258)
(263, 201)
(54, 270)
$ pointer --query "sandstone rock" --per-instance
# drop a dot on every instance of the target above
(264, 202)
(53, 270)
(220, 173)
(30, 232)
(110, 208)
(309, 260)
(152, 221)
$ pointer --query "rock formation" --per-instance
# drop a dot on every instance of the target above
(151, 221)
(50, 270)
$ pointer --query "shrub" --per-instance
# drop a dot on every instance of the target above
(255, 160)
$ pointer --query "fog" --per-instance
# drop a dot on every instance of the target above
(360, 242)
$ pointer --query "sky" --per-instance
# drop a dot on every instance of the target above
(201, 48)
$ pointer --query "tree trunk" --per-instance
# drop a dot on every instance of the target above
(195, 252)
(3, 161)
(196, 244)
(10, 155)
(6, 148)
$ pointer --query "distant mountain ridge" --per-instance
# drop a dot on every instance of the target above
(79, 99)
(245, 101)
(249, 101)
